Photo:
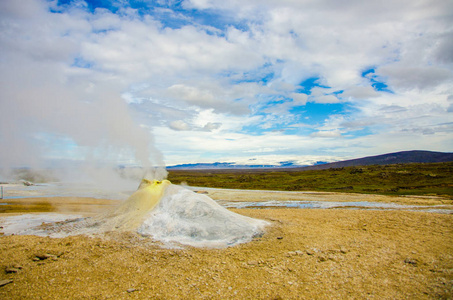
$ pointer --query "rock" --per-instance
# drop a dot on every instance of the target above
(131, 290)
(322, 258)
(252, 263)
(44, 256)
(291, 253)
(310, 251)
(331, 257)
(410, 261)
(17, 266)
(5, 282)
(279, 238)
(41, 256)
(343, 250)
(11, 270)
(294, 253)
(59, 254)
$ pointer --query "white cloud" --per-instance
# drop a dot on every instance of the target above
(192, 95)
(93, 78)
(277, 160)
(179, 125)
(327, 134)
(211, 126)
(299, 99)
(410, 77)
(207, 96)
(444, 48)
(360, 92)
(326, 99)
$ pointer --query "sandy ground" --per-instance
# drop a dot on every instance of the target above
(305, 253)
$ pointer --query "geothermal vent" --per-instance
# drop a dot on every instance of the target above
(167, 213)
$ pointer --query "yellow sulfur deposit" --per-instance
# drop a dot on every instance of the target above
(129, 215)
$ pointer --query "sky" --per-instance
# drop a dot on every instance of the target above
(165, 82)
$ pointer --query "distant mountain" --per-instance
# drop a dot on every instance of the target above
(403, 157)
(415, 156)
(218, 166)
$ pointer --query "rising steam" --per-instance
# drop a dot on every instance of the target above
(80, 129)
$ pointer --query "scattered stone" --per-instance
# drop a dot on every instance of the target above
(44, 256)
(322, 258)
(17, 266)
(35, 259)
(59, 253)
(252, 263)
(331, 257)
(5, 282)
(279, 238)
(410, 261)
(343, 250)
(294, 253)
(310, 251)
(41, 256)
(11, 270)
(131, 290)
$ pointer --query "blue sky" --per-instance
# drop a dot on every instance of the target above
(202, 81)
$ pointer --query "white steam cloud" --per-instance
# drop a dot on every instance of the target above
(57, 111)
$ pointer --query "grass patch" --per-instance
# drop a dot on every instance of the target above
(398, 179)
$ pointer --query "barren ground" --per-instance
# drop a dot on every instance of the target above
(306, 253)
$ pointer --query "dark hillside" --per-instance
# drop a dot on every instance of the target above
(403, 157)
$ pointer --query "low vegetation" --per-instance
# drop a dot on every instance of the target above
(397, 179)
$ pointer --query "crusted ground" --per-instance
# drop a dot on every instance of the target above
(304, 254)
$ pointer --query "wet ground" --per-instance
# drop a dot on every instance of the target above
(78, 198)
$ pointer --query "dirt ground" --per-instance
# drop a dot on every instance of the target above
(305, 253)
